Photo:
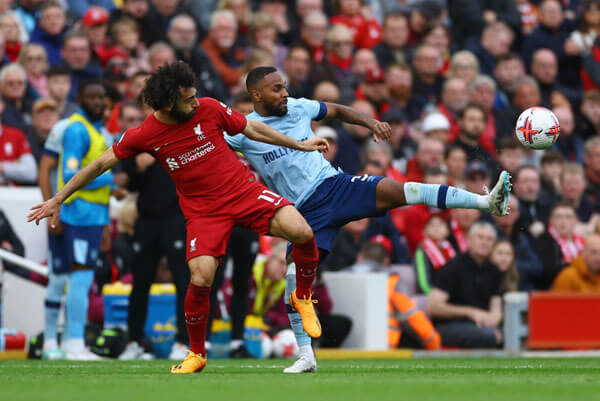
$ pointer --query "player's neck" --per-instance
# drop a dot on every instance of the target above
(164, 117)
(261, 110)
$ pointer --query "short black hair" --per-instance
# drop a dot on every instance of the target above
(162, 87)
(552, 156)
(257, 74)
(473, 105)
(57, 70)
(508, 143)
(88, 82)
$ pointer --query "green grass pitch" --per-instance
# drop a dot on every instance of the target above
(346, 380)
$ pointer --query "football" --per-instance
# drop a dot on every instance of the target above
(537, 128)
(284, 344)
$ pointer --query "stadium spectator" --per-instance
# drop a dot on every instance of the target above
(435, 125)
(80, 7)
(588, 117)
(94, 25)
(399, 81)
(263, 34)
(572, 189)
(17, 164)
(296, 67)
(456, 165)
(160, 54)
(125, 33)
(529, 265)
(183, 37)
(430, 155)
(345, 246)
(336, 65)
(380, 155)
(465, 300)
(313, 34)
(476, 177)
(373, 89)
(332, 138)
(454, 100)
(510, 154)
(58, 81)
(529, 15)
(12, 39)
(373, 256)
(496, 39)
(583, 274)
(17, 95)
(365, 31)
(138, 11)
(438, 36)
(551, 166)
(544, 68)
(137, 84)
(50, 30)
(464, 65)
(526, 94)
(472, 124)
(482, 91)
(352, 138)
(503, 256)
(434, 251)
(421, 16)
(77, 58)
(278, 9)
(552, 33)
(582, 40)
(44, 116)
(158, 16)
(35, 61)
(403, 147)
(533, 209)
(509, 68)
(393, 48)
(570, 145)
(461, 221)
(427, 81)
(592, 169)
(220, 46)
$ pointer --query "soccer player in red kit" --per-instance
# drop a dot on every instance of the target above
(216, 191)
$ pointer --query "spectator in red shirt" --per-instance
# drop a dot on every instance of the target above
(454, 100)
(373, 90)
(482, 91)
(17, 165)
(365, 30)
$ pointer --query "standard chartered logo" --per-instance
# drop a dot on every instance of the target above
(172, 163)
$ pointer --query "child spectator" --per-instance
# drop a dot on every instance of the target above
(503, 256)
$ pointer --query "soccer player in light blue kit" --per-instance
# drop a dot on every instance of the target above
(326, 197)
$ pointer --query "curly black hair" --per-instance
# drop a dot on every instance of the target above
(162, 87)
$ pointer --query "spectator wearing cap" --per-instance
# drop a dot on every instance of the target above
(570, 144)
(331, 135)
(17, 164)
(44, 115)
(435, 125)
(403, 147)
(9, 26)
(59, 86)
(427, 81)
(583, 274)
(477, 177)
(552, 32)
(220, 46)
(138, 11)
(296, 68)
(50, 30)
(35, 61)
(393, 48)
(94, 25)
(456, 165)
(313, 33)
(572, 190)
(183, 37)
(469, 17)
(373, 90)
(17, 95)
(454, 100)
(80, 7)
(496, 39)
(130, 52)
(366, 31)
(482, 91)
(337, 63)
(399, 82)
(430, 155)
(465, 300)
(77, 59)
(472, 124)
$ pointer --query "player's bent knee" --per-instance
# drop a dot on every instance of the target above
(302, 233)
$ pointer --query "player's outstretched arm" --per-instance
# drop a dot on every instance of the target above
(51, 207)
(380, 130)
(259, 131)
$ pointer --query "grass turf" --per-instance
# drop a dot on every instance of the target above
(347, 380)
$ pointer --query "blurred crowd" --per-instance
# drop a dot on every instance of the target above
(450, 76)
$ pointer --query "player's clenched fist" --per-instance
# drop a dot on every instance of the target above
(381, 131)
(315, 143)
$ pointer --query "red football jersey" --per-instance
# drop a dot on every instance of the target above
(206, 172)
(13, 144)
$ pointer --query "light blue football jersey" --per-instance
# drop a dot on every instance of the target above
(292, 173)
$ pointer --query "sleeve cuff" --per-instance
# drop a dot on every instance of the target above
(322, 112)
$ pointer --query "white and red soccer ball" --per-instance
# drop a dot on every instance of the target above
(537, 128)
(284, 344)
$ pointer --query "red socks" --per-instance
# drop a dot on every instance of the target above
(197, 309)
(306, 257)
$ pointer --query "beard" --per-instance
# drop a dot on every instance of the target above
(278, 110)
(180, 116)
(93, 116)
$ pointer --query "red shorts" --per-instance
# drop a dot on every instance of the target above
(253, 209)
